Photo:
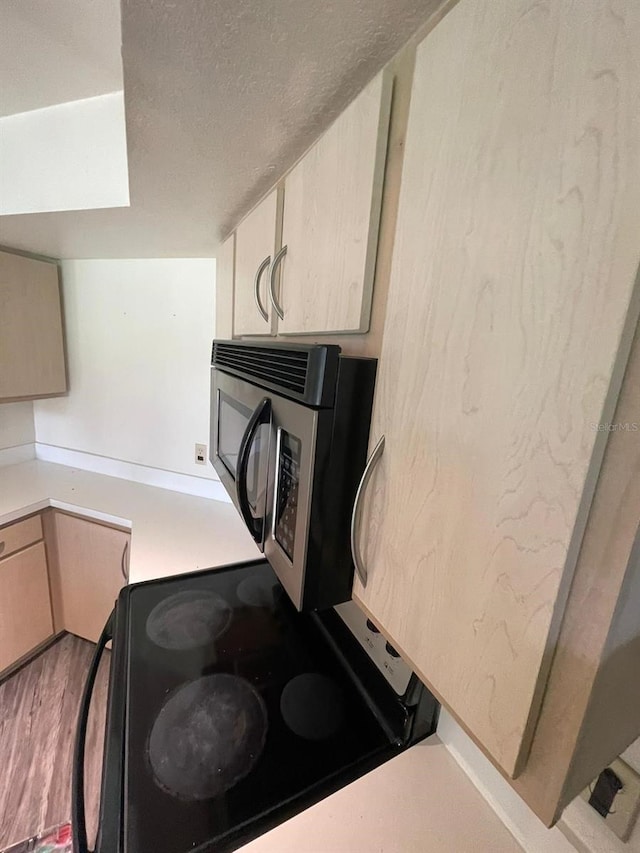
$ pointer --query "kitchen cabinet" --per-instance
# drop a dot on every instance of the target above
(89, 569)
(257, 242)
(32, 358)
(332, 201)
(511, 311)
(225, 273)
(25, 605)
(305, 257)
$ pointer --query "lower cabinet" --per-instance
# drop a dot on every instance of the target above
(71, 585)
(25, 605)
(89, 569)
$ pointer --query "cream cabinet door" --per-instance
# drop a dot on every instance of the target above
(25, 605)
(225, 272)
(90, 569)
(32, 360)
(255, 250)
(507, 327)
(331, 218)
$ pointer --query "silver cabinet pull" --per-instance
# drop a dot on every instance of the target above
(355, 517)
(124, 566)
(272, 281)
(256, 287)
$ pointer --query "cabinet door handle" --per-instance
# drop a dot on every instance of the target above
(355, 516)
(124, 566)
(2, 544)
(256, 287)
(272, 281)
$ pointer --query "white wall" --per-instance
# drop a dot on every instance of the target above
(54, 52)
(632, 755)
(139, 337)
(589, 831)
(16, 432)
(590, 834)
(70, 156)
(16, 424)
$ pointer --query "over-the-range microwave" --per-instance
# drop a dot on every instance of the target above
(289, 434)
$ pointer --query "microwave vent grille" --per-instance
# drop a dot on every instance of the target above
(303, 373)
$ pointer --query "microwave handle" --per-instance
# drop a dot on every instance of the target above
(261, 415)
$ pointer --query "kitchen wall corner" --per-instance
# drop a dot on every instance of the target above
(139, 338)
(17, 432)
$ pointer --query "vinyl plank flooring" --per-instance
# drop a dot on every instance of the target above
(38, 714)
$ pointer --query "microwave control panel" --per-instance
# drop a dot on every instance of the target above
(289, 448)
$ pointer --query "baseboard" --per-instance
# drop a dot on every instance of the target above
(201, 487)
(19, 453)
(30, 656)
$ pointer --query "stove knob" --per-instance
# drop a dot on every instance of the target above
(372, 627)
(392, 651)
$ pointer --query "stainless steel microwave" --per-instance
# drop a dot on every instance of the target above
(289, 434)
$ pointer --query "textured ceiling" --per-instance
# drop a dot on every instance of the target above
(53, 51)
(222, 96)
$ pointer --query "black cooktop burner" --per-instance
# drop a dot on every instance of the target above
(188, 620)
(258, 590)
(312, 705)
(207, 737)
(236, 709)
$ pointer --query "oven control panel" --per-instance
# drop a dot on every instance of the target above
(286, 515)
(381, 652)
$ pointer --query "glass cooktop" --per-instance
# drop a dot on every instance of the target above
(236, 706)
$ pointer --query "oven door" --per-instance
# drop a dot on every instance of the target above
(240, 441)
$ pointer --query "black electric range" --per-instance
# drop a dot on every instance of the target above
(230, 711)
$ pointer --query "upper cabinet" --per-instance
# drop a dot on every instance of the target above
(256, 248)
(509, 320)
(305, 257)
(331, 216)
(32, 362)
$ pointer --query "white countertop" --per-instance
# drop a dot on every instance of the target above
(170, 532)
(419, 802)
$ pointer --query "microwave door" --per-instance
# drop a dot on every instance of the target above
(261, 416)
(234, 427)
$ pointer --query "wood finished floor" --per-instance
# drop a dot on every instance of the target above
(38, 713)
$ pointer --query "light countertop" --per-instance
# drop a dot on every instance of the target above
(170, 532)
(419, 802)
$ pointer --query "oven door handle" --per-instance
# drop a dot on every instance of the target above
(78, 821)
(261, 415)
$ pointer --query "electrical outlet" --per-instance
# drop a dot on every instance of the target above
(624, 807)
(201, 454)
